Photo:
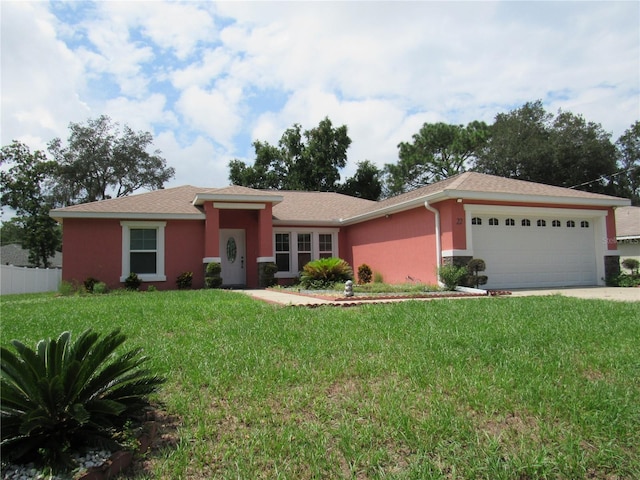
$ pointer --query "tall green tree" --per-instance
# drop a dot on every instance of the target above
(303, 160)
(629, 162)
(100, 161)
(366, 182)
(437, 151)
(564, 150)
(23, 186)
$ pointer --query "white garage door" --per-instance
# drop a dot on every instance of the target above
(535, 251)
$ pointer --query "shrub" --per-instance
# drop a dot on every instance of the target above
(324, 272)
(474, 267)
(212, 278)
(184, 280)
(100, 288)
(66, 289)
(631, 264)
(89, 283)
(624, 280)
(152, 288)
(64, 396)
(452, 275)
(364, 274)
(377, 277)
(267, 274)
(132, 282)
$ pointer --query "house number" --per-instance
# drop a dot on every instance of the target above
(232, 250)
(459, 221)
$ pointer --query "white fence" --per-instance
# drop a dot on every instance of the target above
(28, 280)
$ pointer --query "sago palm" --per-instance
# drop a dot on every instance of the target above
(66, 395)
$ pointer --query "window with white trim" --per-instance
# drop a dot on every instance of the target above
(476, 221)
(571, 224)
(325, 245)
(525, 222)
(304, 249)
(283, 248)
(494, 221)
(509, 222)
(541, 223)
(143, 250)
(295, 248)
(556, 223)
(584, 224)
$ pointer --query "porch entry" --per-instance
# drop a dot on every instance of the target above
(233, 257)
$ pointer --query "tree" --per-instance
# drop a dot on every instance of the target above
(309, 160)
(23, 189)
(564, 150)
(11, 232)
(629, 161)
(438, 151)
(365, 183)
(100, 160)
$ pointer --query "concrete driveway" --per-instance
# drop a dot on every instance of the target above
(603, 293)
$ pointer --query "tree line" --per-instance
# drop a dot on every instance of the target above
(527, 143)
(100, 160)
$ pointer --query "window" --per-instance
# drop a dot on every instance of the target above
(304, 249)
(526, 222)
(282, 252)
(571, 224)
(476, 221)
(326, 245)
(584, 224)
(143, 250)
(509, 222)
(294, 249)
(542, 223)
(556, 223)
(493, 221)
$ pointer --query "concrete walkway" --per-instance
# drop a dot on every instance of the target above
(603, 293)
(629, 294)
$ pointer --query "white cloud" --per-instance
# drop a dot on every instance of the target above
(41, 78)
(200, 163)
(214, 112)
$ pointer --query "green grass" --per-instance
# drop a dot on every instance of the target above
(495, 388)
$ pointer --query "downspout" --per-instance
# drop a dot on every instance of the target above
(436, 212)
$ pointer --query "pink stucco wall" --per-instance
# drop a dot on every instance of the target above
(401, 247)
(93, 248)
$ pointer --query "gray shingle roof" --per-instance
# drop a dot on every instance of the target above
(319, 207)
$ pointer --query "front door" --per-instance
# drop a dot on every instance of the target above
(233, 257)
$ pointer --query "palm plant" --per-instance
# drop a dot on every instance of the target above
(64, 396)
(324, 272)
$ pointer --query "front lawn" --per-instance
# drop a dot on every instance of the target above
(495, 388)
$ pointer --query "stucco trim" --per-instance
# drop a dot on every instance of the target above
(211, 259)
(457, 253)
(266, 260)
(239, 206)
(522, 210)
(226, 197)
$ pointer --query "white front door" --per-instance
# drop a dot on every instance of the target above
(233, 257)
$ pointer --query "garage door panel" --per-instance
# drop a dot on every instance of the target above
(530, 256)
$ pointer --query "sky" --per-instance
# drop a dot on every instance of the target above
(209, 78)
